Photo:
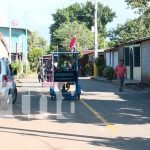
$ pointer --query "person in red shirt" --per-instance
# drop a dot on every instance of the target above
(121, 73)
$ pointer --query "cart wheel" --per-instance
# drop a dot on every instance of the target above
(78, 97)
(53, 97)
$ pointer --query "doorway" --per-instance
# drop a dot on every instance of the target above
(132, 57)
(131, 63)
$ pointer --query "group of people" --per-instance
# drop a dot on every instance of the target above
(120, 71)
(65, 66)
(44, 72)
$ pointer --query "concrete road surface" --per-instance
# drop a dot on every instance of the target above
(103, 119)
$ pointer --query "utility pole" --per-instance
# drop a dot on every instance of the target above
(26, 54)
(95, 30)
(10, 31)
(95, 38)
(17, 52)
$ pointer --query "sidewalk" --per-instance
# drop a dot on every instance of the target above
(129, 84)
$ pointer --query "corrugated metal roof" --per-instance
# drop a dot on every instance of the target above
(134, 41)
(128, 43)
(87, 52)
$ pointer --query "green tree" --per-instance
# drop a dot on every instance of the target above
(36, 41)
(131, 30)
(33, 57)
(84, 14)
(85, 38)
(138, 3)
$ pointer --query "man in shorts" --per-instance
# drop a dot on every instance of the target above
(121, 73)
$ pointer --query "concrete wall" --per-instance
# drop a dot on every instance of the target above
(120, 52)
(107, 57)
(115, 58)
(145, 61)
(111, 58)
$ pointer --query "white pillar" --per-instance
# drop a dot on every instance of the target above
(95, 30)
(10, 31)
(26, 57)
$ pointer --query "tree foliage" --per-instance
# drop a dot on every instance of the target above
(33, 57)
(85, 38)
(131, 30)
(36, 41)
(84, 15)
(37, 46)
(138, 3)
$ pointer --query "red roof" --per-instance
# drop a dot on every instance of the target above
(87, 52)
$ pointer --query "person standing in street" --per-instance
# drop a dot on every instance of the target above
(121, 73)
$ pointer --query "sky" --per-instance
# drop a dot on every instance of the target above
(36, 15)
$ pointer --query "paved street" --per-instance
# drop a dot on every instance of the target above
(104, 119)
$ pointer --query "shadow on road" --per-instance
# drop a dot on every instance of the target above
(89, 85)
(132, 107)
(128, 109)
(54, 109)
(123, 143)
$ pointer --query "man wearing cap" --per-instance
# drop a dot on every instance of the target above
(121, 73)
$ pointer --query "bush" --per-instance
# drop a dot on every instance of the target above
(16, 67)
(26, 70)
(100, 65)
(99, 61)
(89, 69)
(108, 72)
(100, 70)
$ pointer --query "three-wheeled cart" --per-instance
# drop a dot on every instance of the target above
(45, 68)
(65, 70)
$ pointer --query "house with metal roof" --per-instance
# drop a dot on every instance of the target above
(136, 56)
(18, 42)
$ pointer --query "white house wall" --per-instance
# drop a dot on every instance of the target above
(145, 61)
(137, 73)
(128, 72)
(111, 59)
(107, 58)
(115, 58)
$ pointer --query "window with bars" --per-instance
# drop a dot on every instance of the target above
(126, 56)
(137, 58)
(0, 68)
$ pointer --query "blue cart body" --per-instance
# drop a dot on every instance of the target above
(67, 74)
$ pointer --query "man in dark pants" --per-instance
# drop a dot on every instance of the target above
(121, 73)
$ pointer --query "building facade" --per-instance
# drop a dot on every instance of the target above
(136, 56)
(18, 43)
(111, 57)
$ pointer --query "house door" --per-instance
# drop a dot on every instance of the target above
(137, 63)
(132, 57)
(131, 63)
